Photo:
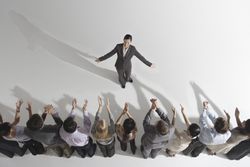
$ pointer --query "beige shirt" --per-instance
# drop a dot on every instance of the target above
(179, 143)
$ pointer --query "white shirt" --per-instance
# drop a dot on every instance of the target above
(80, 137)
(208, 134)
(124, 50)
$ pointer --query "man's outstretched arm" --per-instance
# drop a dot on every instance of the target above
(108, 55)
(140, 57)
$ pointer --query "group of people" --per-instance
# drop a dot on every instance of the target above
(64, 137)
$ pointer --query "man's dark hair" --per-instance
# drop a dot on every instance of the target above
(194, 130)
(221, 125)
(69, 125)
(5, 129)
(128, 125)
(128, 36)
(35, 122)
(162, 127)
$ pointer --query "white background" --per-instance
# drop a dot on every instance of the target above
(200, 48)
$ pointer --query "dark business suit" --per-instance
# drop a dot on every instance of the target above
(123, 63)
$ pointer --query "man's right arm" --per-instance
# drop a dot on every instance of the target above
(146, 122)
(108, 55)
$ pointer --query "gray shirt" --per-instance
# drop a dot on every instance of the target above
(151, 138)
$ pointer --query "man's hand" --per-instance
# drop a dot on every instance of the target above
(174, 112)
(99, 101)
(205, 104)
(154, 103)
(182, 108)
(85, 103)
(237, 112)
(74, 103)
(108, 105)
(152, 66)
(28, 108)
(125, 110)
(19, 104)
(97, 60)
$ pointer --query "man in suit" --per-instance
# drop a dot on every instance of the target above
(125, 51)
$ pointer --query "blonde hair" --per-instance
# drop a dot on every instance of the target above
(101, 130)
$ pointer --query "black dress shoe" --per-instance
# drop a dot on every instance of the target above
(123, 86)
(130, 80)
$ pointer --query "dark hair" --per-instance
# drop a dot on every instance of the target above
(194, 130)
(221, 125)
(69, 125)
(128, 36)
(35, 122)
(128, 125)
(162, 127)
(5, 129)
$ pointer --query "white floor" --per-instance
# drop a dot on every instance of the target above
(200, 48)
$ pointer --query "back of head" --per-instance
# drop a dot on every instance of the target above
(128, 36)
(35, 122)
(5, 129)
(162, 127)
(221, 125)
(101, 129)
(69, 125)
(128, 125)
(194, 130)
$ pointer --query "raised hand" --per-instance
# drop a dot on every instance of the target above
(19, 104)
(74, 103)
(99, 101)
(182, 108)
(125, 110)
(28, 108)
(154, 103)
(205, 104)
(108, 105)
(237, 112)
(97, 60)
(85, 103)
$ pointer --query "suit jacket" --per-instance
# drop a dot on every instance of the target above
(124, 62)
(48, 134)
(151, 139)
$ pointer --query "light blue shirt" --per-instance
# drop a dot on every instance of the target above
(208, 134)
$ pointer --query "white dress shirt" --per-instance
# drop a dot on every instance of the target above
(208, 134)
(80, 137)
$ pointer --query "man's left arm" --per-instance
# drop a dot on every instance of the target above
(140, 57)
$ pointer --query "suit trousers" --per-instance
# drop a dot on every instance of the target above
(152, 152)
(124, 145)
(124, 75)
(34, 147)
(195, 148)
(10, 148)
(239, 151)
(89, 149)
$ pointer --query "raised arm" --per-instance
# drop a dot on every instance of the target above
(237, 117)
(187, 122)
(51, 110)
(108, 55)
(29, 109)
(17, 115)
(118, 121)
(111, 118)
(140, 57)
(97, 116)
(86, 119)
(174, 116)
